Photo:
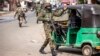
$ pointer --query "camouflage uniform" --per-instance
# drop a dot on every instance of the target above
(47, 27)
(38, 10)
(48, 30)
(20, 15)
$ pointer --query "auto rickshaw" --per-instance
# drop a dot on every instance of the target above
(83, 34)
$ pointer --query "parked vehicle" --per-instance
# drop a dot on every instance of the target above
(84, 33)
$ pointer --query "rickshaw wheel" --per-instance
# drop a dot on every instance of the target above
(87, 50)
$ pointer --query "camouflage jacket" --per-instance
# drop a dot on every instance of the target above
(19, 12)
(44, 15)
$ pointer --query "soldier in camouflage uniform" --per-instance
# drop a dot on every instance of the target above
(48, 30)
(49, 15)
(38, 9)
(20, 15)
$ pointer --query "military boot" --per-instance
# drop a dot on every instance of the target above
(42, 50)
(37, 21)
(53, 51)
(20, 24)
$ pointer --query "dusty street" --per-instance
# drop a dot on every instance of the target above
(25, 41)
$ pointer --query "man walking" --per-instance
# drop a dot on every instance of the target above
(48, 30)
(38, 9)
(20, 15)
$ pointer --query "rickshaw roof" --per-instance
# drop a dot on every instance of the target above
(93, 7)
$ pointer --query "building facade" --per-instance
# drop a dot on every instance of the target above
(12, 5)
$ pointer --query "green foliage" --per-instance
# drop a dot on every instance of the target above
(80, 1)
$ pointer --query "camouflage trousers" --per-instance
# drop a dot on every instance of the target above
(21, 20)
(48, 40)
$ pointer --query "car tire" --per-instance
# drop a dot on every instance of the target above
(87, 50)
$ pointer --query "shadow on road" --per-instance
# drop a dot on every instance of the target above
(1, 19)
(71, 51)
(6, 21)
(24, 26)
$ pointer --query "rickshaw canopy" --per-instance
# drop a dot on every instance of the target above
(90, 14)
(93, 7)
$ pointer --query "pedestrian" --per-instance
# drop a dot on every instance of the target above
(48, 30)
(20, 15)
(38, 9)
